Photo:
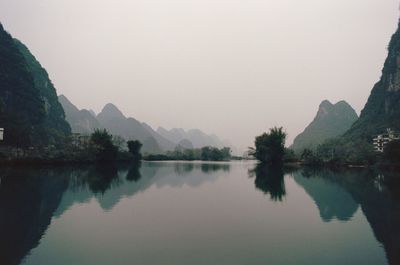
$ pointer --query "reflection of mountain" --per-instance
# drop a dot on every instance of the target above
(120, 185)
(383, 214)
(331, 199)
(338, 195)
(380, 206)
(28, 199)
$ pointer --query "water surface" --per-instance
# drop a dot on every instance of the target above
(196, 213)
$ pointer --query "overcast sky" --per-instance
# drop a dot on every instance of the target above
(230, 67)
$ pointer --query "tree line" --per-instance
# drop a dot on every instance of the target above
(270, 150)
(207, 153)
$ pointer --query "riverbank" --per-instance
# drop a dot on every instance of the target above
(53, 156)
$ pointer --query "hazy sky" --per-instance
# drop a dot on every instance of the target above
(230, 67)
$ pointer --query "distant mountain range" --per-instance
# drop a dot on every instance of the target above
(332, 120)
(112, 119)
(32, 114)
(196, 137)
(81, 121)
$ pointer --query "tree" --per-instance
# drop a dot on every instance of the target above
(103, 147)
(226, 153)
(119, 142)
(339, 151)
(308, 157)
(134, 148)
(290, 156)
(209, 153)
(270, 147)
(206, 153)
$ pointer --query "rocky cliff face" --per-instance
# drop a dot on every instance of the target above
(29, 110)
(332, 120)
(383, 107)
(54, 123)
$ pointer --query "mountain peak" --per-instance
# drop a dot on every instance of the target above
(325, 103)
(110, 111)
(327, 108)
(343, 104)
(330, 121)
(324, 109)
(64, 98)
(67, 104)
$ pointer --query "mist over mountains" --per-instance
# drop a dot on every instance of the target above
(198, 138)
(81, 121)
(32, 113)
(112, 119)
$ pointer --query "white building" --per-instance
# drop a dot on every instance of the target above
(381, 140)
(1, 134)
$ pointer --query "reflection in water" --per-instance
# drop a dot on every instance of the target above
(30, 197)
(182, 168)
(270, 180)
(102, 178)
(211, 167)
(134, 172)
(331, 199)
(375, 192)
(339, 194)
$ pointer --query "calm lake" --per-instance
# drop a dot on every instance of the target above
(196, 213)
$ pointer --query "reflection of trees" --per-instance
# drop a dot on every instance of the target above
(98, 179)
(270, 180)
(30, 197)
(212, 167)
(183, 168)
(134, 172)
(102, 178)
